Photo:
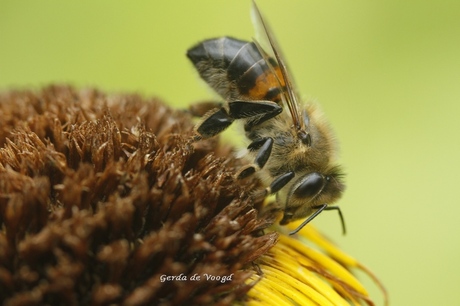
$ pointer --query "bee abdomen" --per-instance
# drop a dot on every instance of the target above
(218, 52)
(235, 69)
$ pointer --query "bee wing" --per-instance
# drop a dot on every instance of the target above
(288, 94)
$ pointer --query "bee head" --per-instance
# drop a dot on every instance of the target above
(310, 192)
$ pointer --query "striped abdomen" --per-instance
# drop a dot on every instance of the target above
(236, 69)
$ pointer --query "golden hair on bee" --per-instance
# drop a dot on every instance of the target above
(292, 146)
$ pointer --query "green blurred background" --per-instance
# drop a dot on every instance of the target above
(386, 74)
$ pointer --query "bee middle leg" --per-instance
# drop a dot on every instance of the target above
(218, 119)
(213, 123)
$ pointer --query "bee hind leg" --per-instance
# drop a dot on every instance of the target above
(214, 122)
(256, 112)
(264, 145)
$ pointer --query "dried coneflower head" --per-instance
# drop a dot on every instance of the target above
(104, 200)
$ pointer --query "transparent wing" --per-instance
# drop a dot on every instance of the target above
(289, 95)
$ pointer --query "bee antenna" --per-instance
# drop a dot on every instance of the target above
(316, 213)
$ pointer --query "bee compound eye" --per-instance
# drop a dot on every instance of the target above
(310, 185)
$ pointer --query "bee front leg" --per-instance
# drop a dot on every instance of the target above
(279, 183)
(213, 123)
(264, 145)
(276, 185)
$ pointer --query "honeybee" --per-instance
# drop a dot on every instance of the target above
(293, 150)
